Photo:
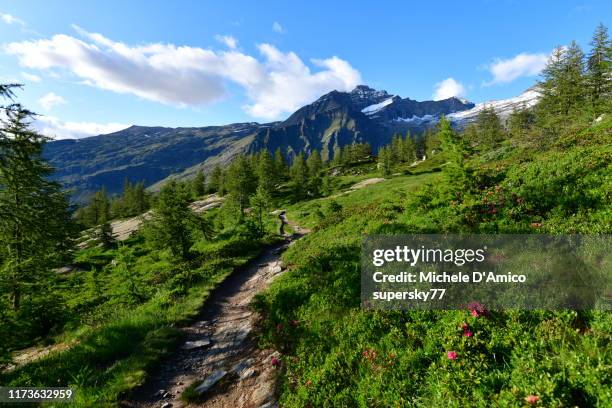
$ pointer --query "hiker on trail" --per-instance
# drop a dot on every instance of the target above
(283, 220)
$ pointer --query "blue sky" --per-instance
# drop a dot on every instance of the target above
(95, 66)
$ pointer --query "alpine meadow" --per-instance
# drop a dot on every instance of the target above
(220, 266)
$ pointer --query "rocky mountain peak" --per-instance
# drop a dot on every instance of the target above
(365, 92)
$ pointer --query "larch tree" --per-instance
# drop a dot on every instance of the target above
(172, 221)
(198, 184)
(299, 177)
(241, 182)
(35, 221)
(599, 69)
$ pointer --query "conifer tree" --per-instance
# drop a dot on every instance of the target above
(315, 166)
(103, 216)
(260, 204)
(266, 171)
(216, 181)
(408, 152)
(520, 122)
(280, 166)
(35, 222)
(599, 69)
(198, 185)
(299, 177)
(241, 182)
(455, 171)
(490, 130)
(562, 86)
(131, 287)
(105, 234)
(337, 159)
(431, 143)
(385, 160)
(172, 221)
(314, 163)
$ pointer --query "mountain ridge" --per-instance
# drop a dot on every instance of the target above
(153, 154)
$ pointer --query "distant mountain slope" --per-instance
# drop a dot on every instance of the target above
(154, 153)
(503, 107)
(139, 153)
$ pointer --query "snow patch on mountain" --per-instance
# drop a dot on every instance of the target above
(372, 109)
(418, 120)
(503, 107)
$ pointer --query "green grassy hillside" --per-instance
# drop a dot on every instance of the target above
(337, 355)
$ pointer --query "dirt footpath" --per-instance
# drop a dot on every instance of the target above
(219, 354)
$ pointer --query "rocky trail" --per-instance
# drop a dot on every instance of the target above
(219, 357)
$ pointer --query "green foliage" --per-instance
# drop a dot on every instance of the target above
(385, 160)
(173, 224)
(260, 205)
(299, 177)
(489, 129)
(132, 202)
(240, 181)
(456, 172)
(267, 178)
(549, 172)
(215, 184)
(35, 225)
(599, 69)
(198, 185)
(101, 208)
(280, 166)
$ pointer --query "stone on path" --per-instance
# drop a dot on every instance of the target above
(210, 381)
(243, 369)
(190, 345)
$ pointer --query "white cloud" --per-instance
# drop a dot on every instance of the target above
(50, 100)
(228, 40)
(58, 129)
(9, 19)
(30, 77)
(522, 65)
(287, 83)
(277, 27)
(448, 88)
(183, 75)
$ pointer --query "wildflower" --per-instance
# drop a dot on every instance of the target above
(464, 326)
(275, 362)
(536, 224)
(468, 333)
(370, 354)
(452, 355)
(532, 399)
(477, 309)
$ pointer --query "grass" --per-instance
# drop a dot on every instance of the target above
(118, 343)
(336, 355)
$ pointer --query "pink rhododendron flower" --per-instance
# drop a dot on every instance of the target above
(452, 355)
(477, 309)
(532, 399)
